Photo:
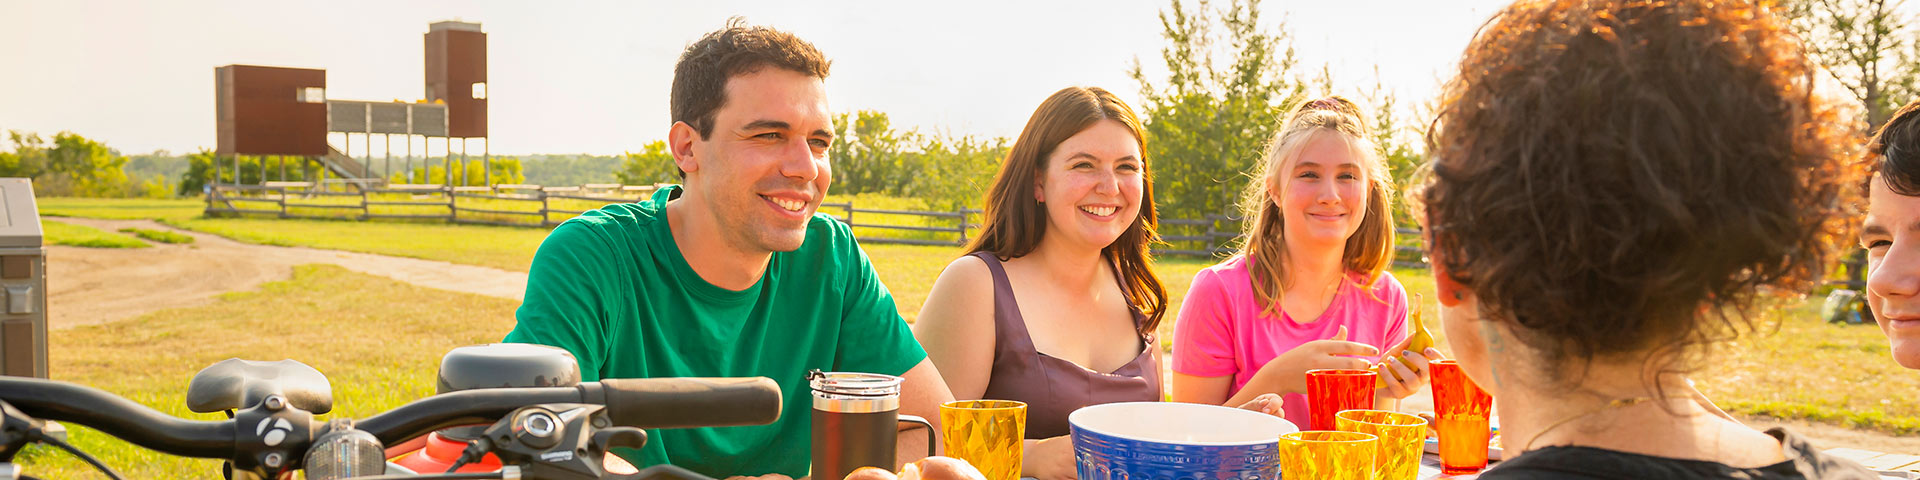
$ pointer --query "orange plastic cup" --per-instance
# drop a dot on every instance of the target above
(1329, 391)
(1461, 411)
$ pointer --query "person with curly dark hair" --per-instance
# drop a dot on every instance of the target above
(1889, 233)
(1614, 187)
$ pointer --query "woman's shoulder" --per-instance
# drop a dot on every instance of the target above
(959, 307)
(968, 274)
(1232, 270)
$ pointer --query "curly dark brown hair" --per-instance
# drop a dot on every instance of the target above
(700, 77)
(1625, 177)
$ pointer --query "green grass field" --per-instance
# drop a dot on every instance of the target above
(380, 340)
(121, 208)
(57, 233)
(506, 248)
(158, 235)
(377, 340)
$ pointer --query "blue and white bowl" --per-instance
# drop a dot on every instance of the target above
(1176, 441)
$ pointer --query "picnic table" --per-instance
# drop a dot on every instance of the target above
(1890, 465)
(1430, 468)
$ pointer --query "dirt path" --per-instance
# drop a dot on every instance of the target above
(95, 285)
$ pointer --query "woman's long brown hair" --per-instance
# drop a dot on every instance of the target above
(1015, 222)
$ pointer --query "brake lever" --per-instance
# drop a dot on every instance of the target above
(559, 441)
(16, 431)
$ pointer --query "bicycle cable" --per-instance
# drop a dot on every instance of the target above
(83, 456)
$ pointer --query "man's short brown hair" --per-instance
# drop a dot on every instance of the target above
(1895, 151)
(700, 77)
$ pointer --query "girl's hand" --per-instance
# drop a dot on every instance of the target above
(1049, 459)
(1412, 369)
(1267, 403)
(1287, 373)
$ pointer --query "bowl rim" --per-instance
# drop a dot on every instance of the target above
(1073, 421)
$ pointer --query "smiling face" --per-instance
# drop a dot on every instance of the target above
(763, 171)
(1091, 186)
(1322, 192)
(1891, 235)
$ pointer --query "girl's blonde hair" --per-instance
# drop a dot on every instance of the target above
(1367, 252)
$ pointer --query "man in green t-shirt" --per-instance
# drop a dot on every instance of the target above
(732, 274)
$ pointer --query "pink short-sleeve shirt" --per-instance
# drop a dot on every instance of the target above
(1220, 330)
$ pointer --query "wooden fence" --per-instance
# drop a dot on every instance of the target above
(506, 205)
(537, 206)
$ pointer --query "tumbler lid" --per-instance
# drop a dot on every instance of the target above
(854, 383)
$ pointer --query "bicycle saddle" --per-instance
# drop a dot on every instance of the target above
(234, 384)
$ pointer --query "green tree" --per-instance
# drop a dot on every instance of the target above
(1399, 145)
(29, 157)
(505, 170)
(868, 155)
(652, 164)
(251, 169)
(1867, 45)
(1208, 122)
(71, 165)
(954, 172)
(83, 167)
(572, 169)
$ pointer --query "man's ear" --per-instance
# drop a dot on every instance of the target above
(1451, 292)
(680, 140)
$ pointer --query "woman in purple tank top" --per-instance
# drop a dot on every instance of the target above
(1056, 303)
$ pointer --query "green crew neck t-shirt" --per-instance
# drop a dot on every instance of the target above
(611, 287)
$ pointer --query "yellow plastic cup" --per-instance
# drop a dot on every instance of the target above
(985, 433)
(1327, 455)
(1397, 452)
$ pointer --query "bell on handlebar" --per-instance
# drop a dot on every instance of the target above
(487, 366)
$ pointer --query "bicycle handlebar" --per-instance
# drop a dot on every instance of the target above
(638, 402)
(117, 416)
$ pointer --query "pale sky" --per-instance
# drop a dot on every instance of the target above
(593, 77)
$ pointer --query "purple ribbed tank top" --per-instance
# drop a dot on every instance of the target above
(1052, 387)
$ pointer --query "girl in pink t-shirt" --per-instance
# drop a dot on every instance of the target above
(1310, 289)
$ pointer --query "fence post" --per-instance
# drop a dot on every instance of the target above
(283, 202)
(963, 224)
(366, 211)
(1212, 232)
(544, 207)
(453, 211)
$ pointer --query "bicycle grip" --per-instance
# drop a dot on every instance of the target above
(692, 402)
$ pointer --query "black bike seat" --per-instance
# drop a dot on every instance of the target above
(235, 384)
